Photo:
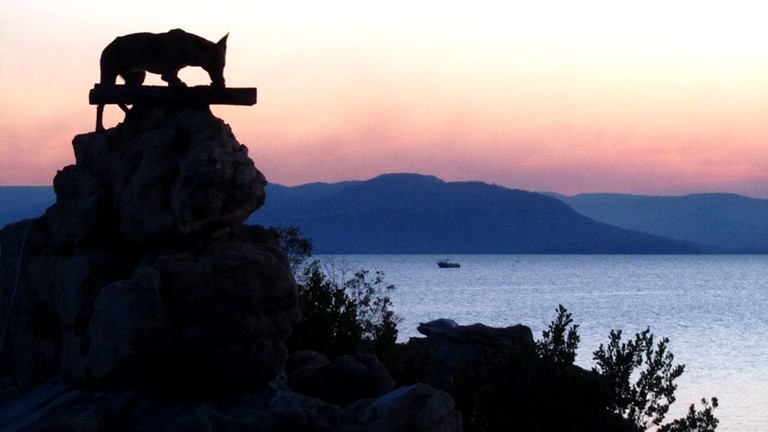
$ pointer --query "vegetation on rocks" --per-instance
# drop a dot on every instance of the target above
(640, 375)
(559, 342)
(339, 316)
(507, 382)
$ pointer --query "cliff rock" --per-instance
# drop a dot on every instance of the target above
(166, 173)
(143, 265)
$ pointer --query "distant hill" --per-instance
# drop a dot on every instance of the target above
(732, 222)
(24, 202)
(411, 213)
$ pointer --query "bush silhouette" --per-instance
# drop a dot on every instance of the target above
(639, 374)
(559, 342)
(339, 316)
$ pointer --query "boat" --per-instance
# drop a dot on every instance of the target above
(448, 264)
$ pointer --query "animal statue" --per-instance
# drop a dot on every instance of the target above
(132, 56)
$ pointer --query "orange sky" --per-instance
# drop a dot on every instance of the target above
(656, 97)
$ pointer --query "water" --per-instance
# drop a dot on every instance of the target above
(714, 309)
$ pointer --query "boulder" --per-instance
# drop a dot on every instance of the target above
(440, 325)
(231, 307)
(129, 320)
(81, 212)
(416, 408)
(341, 381)
(49, 301)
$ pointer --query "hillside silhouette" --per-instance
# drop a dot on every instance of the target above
(411, 213)
(736, 223)
(375, 213)
(23, 202)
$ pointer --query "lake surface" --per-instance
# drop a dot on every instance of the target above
(714, 310)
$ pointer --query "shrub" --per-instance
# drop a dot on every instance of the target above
(297, 248)
(695, 421)
(559, 342)
(645, 401)
(329, 322)
(339, 316)
(375, 313)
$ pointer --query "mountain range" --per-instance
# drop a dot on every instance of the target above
(24, 202)
(413, 213)
(731, 222)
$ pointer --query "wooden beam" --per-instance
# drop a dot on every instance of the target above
(103, 94)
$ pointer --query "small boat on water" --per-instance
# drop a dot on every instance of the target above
(448, 264)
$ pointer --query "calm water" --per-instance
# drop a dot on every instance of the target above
(714, 309)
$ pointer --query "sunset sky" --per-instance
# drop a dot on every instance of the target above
(653, 97)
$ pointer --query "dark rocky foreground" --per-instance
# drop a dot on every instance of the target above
(141, 302)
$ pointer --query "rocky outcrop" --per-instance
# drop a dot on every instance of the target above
(166, 173)
(499, 382)
(63, 406)
(48, 301)
(141, 302)
(440, 325)
(216, 317)
(143, 263)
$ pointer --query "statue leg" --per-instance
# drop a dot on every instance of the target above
(173, 79)
(134, 78)
(99, 118)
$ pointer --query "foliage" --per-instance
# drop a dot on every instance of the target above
(339, 315)
(559, 342)
(297, 248)
(695, 421)
(644, 401)
(347, 315)
(329, 322)
(647, 400)
(375, 312)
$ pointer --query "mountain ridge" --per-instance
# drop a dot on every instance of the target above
(379, 211)
(412, 213)
(734, 222)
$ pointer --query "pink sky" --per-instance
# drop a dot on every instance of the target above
(663, 98)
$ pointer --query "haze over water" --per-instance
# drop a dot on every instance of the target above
(714, 310)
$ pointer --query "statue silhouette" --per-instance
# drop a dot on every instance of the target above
(132, 56)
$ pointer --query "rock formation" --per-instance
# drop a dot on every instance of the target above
(140, 301)
(143, 257)
(164, 175)
(499, 382)
(341, 381)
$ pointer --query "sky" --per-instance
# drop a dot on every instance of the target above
(655, 97)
